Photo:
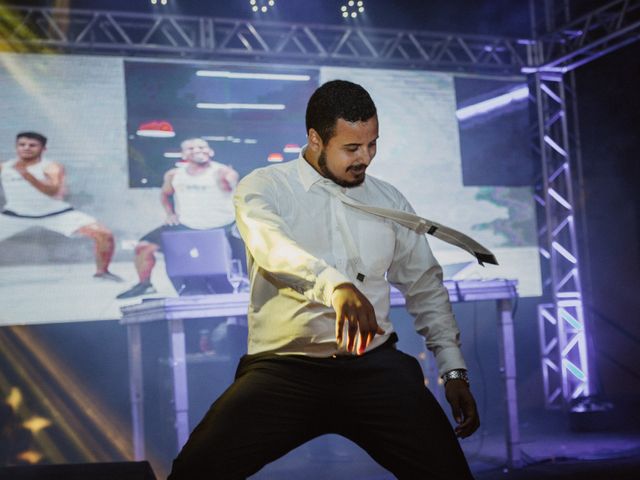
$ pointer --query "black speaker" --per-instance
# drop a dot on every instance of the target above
(80, 471)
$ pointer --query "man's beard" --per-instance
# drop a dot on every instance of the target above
(324, 168)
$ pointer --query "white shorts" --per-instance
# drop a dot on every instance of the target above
(66, 223)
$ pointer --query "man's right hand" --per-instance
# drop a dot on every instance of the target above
(172, 219)
(354, 308)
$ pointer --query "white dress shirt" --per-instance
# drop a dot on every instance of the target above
(293, 227)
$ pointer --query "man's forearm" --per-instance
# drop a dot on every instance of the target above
(167, 204)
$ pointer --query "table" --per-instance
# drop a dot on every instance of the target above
(175, 311)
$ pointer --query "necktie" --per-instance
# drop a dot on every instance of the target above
(421, 226)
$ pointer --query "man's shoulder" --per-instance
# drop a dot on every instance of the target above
(8, 163)
(49, 165)
(172, 171)
(277, 172)
(215, 166)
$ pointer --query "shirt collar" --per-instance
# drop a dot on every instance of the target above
(308, 174)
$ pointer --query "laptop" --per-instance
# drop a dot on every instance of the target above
(197, 260)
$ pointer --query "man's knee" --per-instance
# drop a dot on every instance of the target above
(98, 232)
(146, 248)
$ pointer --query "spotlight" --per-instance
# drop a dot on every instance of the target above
(352, 8)
(262, 6)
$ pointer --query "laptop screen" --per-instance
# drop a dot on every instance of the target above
(197, 261)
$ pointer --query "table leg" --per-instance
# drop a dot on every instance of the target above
(136, 389)
(179, 372)
(508, 369)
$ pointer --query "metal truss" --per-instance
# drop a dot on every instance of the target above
(79, 31)
(562, 325)
(548, 15)
(591, 36)
(563, 334)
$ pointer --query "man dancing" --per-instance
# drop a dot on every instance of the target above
(322, 356)
(195, 196)
(34, 188)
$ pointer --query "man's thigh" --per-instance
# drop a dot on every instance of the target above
(270, 409)
(399, 422)
(10, 225)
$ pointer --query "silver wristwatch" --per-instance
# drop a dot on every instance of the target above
(459, 373)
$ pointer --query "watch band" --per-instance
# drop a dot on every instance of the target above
(459, 374)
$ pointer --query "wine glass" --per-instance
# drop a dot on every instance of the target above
(234, 274)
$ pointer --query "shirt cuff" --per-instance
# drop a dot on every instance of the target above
(326, 283)
(449, 359)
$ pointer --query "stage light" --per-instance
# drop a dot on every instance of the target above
(352, 9)
(253, 76)
(156, 129)
(241, 106)
(262, 6)
(275, 158)
(292, 148)
(517, 95)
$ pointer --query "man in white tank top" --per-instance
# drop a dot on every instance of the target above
(195, 196)
(34, 189)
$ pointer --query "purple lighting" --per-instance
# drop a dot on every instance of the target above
(517, 95)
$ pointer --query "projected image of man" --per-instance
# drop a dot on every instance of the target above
(322, 355)
(34, 188)
(194, 196)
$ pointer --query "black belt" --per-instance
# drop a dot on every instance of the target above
(18, 215)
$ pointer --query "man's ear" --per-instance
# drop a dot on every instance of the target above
(315, 142)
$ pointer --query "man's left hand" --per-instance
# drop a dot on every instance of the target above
(463, 407)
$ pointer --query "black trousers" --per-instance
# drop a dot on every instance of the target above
(277, 403)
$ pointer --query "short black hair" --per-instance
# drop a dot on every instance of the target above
(337, 99)
(33, 135)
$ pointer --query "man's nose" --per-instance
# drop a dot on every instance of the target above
(365, 157)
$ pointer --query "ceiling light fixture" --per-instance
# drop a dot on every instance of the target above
(352, 9)
(262, 6)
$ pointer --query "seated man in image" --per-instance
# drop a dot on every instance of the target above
(34, 188)
(196, 196)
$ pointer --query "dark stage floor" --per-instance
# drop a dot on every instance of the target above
(550, 451)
